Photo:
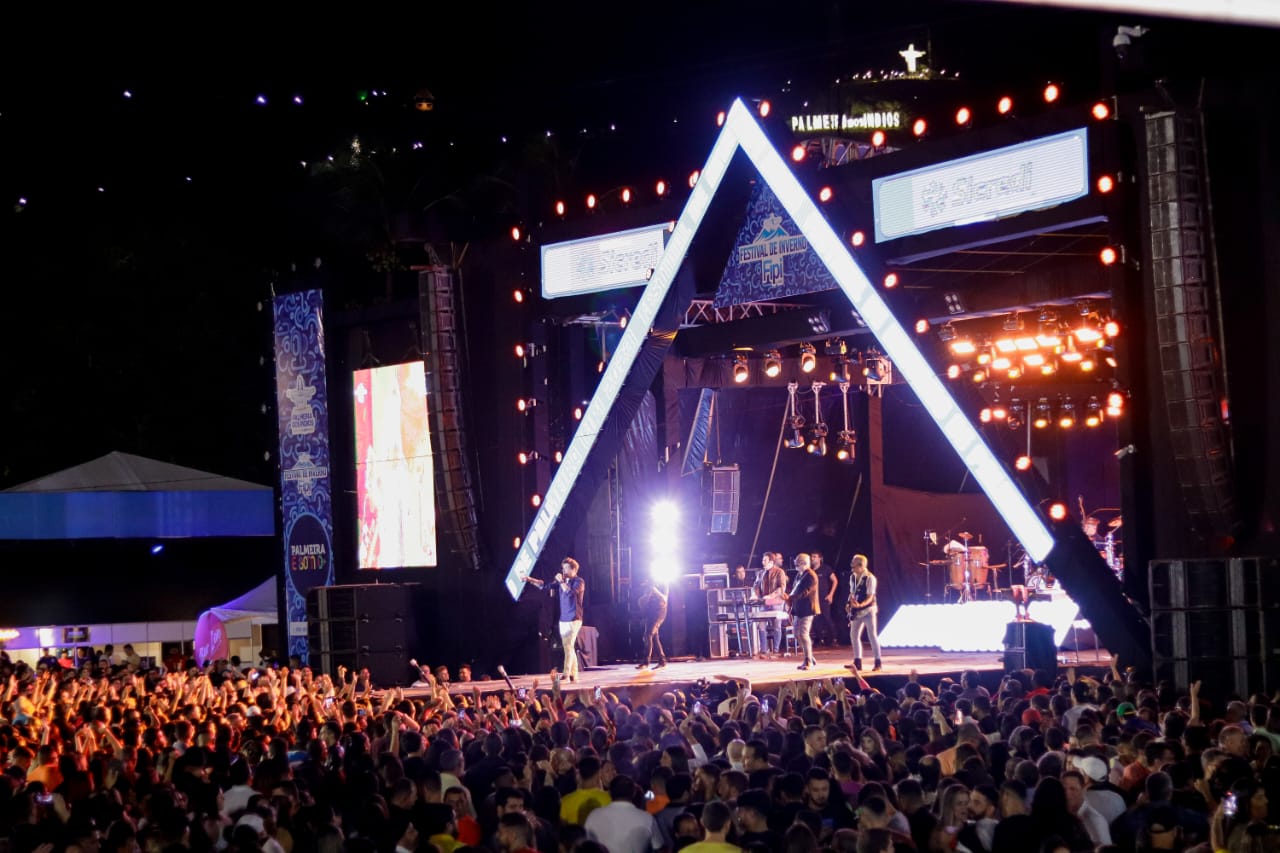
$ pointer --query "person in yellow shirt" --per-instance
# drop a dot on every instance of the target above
(587, 797)
(45, 769)
(716, 822)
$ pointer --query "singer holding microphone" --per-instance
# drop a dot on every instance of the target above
(572, 589)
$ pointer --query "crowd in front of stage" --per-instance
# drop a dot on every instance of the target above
(224, 758)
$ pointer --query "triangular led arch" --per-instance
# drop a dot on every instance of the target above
(741, 131)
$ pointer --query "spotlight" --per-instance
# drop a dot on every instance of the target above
(817, 440)
(877, 139)
(955, 305)
(947, 333)
(157, 548)
(535, 499)
(665, 514)
(963, 116)
(560, 208)
(1101, 111)
(517, 295)
(1000, 362)
(891, 281)
(772, 364)
(1057, 510)
(798, 154)
(515, 543)
(1115, 400)
(797, 432)
(1051, 93)
(808, 358)
(1111, 329)
(520, 350)
(1013, 323)
(1087, 365)
(953, 372)
(985, 415)
(824, 195)
(660, 188)
(1067, 415)
(1106, 184)
(626, 195)
(720, 117)
(1071, 355)
(1108, 256)
(524, 457)
(1033, 359)
(693, 178)
(922, 326)
(515, 233)
(577, 413)
(1022, 463)
(740, 370)
(857, 238)
(1004, 106)
(1042, 414)
(999, 413)
(847, 446)
(1093, 413)
(558, 456)
(525, 404)
(765, 109)
(919, 127)
(1016, 416)
(963, 346)
(979, 376)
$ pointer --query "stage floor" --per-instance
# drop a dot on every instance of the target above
(931, 664)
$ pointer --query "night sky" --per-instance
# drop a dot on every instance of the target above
(139, 234)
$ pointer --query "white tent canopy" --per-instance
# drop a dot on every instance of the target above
(258, 606)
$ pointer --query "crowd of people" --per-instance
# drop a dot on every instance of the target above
(112, 757)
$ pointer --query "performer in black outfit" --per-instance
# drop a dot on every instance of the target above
(824, 624)
(654, 606)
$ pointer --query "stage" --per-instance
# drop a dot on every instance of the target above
(769, 672)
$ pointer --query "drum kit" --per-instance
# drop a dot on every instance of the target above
(968, 569)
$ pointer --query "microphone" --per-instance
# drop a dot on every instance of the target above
(502, 670)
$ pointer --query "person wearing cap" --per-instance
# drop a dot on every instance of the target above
(1100, 794)
(1133, 722)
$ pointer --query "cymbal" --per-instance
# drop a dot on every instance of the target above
(1118, 521)
(965, 536)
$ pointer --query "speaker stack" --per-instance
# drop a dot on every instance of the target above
(364, 626)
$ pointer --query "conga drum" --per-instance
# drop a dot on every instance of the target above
(978, 570)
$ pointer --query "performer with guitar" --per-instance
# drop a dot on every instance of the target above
(862, 611)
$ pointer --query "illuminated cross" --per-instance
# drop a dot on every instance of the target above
(911, 55)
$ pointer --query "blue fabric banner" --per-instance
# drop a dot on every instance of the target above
(771, 258)
(302, 406)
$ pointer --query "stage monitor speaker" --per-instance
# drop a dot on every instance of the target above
(1029, 645)
(722, 498)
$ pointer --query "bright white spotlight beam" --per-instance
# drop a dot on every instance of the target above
(741, 130)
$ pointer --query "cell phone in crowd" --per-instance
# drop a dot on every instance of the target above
(648, 795)
(697, 708)
(599, 693)
(764, 706)
(44, 799)
(1229, 805)
(522, 694)
(959, 717)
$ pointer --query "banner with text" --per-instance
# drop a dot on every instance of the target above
(302, 405)
(771, 258)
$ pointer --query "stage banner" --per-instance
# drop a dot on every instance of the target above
(771, 258)
(303, 411)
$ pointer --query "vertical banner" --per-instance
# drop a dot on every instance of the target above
(302, 403)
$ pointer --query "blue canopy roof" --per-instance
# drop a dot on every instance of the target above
(122, 496)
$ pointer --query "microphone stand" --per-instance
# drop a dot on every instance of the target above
(928, 585)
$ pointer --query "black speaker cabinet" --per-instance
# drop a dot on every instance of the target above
(364, 626)
(1029, 645)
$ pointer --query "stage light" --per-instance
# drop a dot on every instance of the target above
(765, 109)
(524, 404)
(984, 357)
(1093, 413)
(1015, 372)
(515, 543)
(963, 116)
(693, 178)
(1087, 365)
(558, 456)
(963, 346)
(591, 201)
(515, 233)
(947, 333)
(577, 413)
(1006, 345)
(953, 372)
(741, 373)
(772, 364)
(665, 514)
(1033, 359)
(857, 238)
(157, 548)
(1048, 335)
(1101, 111)
(1000, 363)
(1066, 414)
(524, 457)
(535, 499)
(1115, 400)
(847, 446)
(625, 195)
(1111, 329)
(1108, 256)
(720, 117)
(1022, 463)
(808, 358)
(891, 281)
(1048, 368)
(985, 415)
(1043, 413)
(919, 127)
(1088, 333)
(1057, 510)
(1071, 355)
(824, 195)
(877, 139)
(999, 413)
(517, 295)
(1110, 360)
(1004, 106)
(799, 153)
(817, 445)
(1051, 93)
(922, 326)
(1106, 184)
(1013, 323)
(1017, 415)
(660, 188)
(979, 376)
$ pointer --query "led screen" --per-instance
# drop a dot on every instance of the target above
(396, 509)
